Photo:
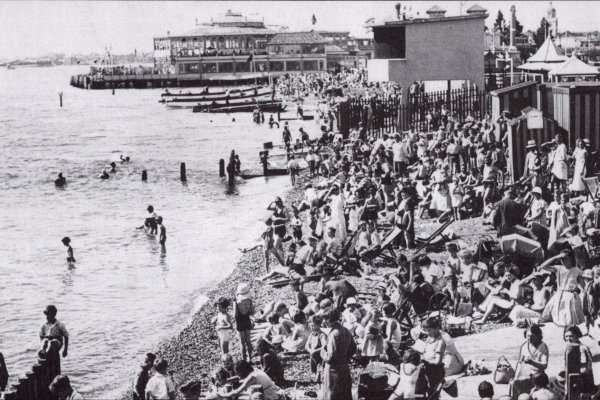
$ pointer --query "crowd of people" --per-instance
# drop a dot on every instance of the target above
(365, 198)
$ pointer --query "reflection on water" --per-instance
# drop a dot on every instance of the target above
(125, 292)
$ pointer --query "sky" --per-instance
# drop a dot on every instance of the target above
(34, 28)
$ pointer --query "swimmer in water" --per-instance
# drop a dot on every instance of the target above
(162, 238)
(104, 175)
(124, 159)
(60, 181)
(113, 167)
(67, 242)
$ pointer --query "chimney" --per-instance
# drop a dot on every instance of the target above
(398, 10)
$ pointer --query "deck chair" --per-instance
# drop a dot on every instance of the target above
(436, 237)
(591, 184)
(386, 252)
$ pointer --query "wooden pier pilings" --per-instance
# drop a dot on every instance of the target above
(34, 385)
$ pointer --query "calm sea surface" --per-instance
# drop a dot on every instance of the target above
(124, 295)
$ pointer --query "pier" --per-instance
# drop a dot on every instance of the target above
(153, 81)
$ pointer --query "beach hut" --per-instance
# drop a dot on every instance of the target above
(543, 61)
(573, 70)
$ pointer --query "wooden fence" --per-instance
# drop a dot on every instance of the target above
(390, 115)
(34, 384)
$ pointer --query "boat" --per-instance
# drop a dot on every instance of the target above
(183, 102)
(10, 66)
(245, 106)
(207, 93)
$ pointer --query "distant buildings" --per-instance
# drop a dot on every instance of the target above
(236, 47)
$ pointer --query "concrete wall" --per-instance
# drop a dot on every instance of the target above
(441, 50)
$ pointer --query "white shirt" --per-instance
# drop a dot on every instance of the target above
(159, 387)
(399, 154)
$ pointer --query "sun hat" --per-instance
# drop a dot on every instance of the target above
(588, 274)
(531, 143)
(243, 289)
(350, 301)
(587, 142)
(537, 190)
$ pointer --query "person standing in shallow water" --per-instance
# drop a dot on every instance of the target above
(67, 242)
(162, 238)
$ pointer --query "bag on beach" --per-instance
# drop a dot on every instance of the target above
(504, 372)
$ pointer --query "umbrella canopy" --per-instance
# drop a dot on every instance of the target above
(520, 245)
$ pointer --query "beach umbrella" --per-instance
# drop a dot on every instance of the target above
(520, 245)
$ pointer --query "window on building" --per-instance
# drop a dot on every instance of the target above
(311, 65)
(181, 68)
(226, 67)
(192, 68)
(209, 68)
(261, 66)
(293, 66)
(276, 65)
(390, 42)
(242, 66)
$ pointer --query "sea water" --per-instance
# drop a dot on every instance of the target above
(124, 294)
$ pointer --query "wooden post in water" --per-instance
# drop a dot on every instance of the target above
(60, 95)
(221, 168)
(144, 176)
(182, 174)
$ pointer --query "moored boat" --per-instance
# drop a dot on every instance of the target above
(178, 101)
(246, 106)
(206, 92)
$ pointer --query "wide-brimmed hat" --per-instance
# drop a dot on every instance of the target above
(243, 289)
(531, 143)
(350, 301)
(50, 310)
(587, 142)
(537, 190)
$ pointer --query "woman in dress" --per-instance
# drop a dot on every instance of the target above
(580, 156)
(565, 307)
(541, 295)
(533, 358)
(558, 164)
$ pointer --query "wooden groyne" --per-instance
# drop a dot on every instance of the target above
(34, 384)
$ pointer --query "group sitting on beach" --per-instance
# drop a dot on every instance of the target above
(359, 217)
